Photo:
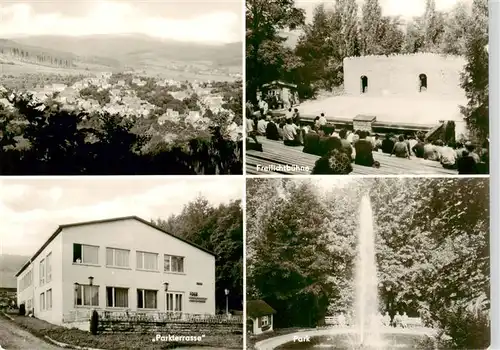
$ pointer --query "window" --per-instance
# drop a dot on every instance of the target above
(173, 263)
(147, 261)
(86, 295)
(49, 299)
(42, 272)
(42, 301)
(423, 82)
(264, 321)
(85, 254)
(117, 257)
(48, 267)
(146, 299)
(364, 84)
(26, 280)
(116, 297)
(174, 302)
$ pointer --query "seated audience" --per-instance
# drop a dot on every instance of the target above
(261, 126)
(290, 134)
(311, 143)
(430, 151)
(448, 156)
(272, 132)
(364, 155)
(335, 162)
(322, 119)
(401, 148)
(316, 124)
(418, 149)
(388, 144)
(466, 164)
(346, 145)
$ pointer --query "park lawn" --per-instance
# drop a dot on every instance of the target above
(73, 336)
(253, 339)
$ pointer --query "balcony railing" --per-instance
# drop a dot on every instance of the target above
(151, 316)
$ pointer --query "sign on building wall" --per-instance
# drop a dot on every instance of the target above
(194, 298)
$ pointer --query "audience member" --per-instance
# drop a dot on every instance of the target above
(334, 162)
(448, 156)
(401, 148)
(272, 132)
(364, 155)
(322, 119)
(418, 149)
(388, 144)
(290, 135)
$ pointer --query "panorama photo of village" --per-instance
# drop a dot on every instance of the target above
(367, 87)
(102, 88)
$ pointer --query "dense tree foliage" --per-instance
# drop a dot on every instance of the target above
(432, 242)
(267, 58)
(218, 229)
(474, 79)
(60, 141)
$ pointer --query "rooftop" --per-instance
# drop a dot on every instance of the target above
(258, 308)
(62, 227)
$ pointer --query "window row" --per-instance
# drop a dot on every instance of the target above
(46, 300)
(26, 280)
(115, 257)
(45, 270)
(87, 295)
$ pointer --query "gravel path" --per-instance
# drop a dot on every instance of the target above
(12, 337)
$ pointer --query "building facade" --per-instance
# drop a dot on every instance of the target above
(121, 264)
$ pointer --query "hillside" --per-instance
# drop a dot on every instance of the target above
(136, 50)
(9, 265)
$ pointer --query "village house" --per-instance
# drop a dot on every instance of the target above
(119, 264)
(259, 317)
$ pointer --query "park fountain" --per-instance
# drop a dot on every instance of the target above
(367, 332)
(366, 284)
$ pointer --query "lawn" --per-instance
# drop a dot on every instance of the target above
(81, 338)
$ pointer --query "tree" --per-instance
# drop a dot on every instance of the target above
(371, 23)
(220, 230)
(455, 29)
(433, 27)
(347, 15)
(474, 78)
(266, 56)
(318, 52)
(391, 36)
(293, 265)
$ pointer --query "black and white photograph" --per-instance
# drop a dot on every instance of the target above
(121, 87)
(133, 264)
(367, 87)
(368, 263)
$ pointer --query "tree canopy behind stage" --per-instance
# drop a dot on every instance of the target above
(218, 229)
(432, 250)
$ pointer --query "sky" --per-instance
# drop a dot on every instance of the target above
(208, 21)
(403, 8)
(32, 209)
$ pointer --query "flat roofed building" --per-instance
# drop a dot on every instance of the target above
(119, 264)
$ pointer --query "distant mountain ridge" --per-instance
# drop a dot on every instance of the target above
(9, 266)
(132, 49)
